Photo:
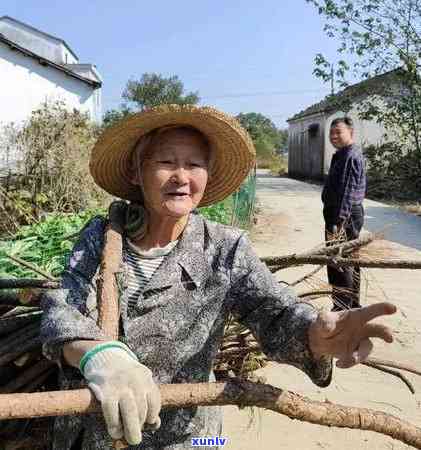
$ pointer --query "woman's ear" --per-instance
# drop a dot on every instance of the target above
(133, 169)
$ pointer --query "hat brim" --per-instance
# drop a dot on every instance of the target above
(233, 150)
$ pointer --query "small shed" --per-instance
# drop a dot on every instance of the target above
(309, 148)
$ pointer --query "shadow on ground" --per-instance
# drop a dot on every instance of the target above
(394, 224)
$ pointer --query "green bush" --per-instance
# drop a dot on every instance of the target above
(220, 212)
(393, 172)
(46, 244)
(46, 166)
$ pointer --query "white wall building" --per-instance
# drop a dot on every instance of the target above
(35, 67)
(309, 148)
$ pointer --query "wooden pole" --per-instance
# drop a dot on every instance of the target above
(297, 260)
(233, 392)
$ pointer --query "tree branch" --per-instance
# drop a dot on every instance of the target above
(326, 250)
(306, 277)
(395, 373)
(30, 266)
(23, 283)
(297, 260)
(394, 364)
(233, 392)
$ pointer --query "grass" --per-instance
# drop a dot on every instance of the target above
(278, 165)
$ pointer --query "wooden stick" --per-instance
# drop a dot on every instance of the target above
(21, 311)
(323, 251)
(233, 352)
(394, 364)
(320, 293)
(30, 344)
(107, 294)
(232, 392)
(306, 277)
(30, 266)
(396, 373)
(25, 340)
(38, 381)
(9, 325)
(347, 246)
(296, 260)
(13, 283)
(26, 376)
(39, 442)
(14, 341)
(9, 299)
(107, 291)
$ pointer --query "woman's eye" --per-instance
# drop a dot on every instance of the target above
(165, 161)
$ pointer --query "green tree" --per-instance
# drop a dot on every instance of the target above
(113, 116)
(153, 89)
(376, 37)
(150, 90)
(263, 131)
(283, 137)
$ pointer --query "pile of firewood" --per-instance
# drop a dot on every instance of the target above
(22, 368)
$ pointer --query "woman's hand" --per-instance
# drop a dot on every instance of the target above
(346, 335)
(128, 395)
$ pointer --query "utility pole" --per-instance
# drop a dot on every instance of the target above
(332, 79)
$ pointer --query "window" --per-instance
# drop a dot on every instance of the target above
(313, 130)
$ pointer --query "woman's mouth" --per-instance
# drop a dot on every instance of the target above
(178, 195)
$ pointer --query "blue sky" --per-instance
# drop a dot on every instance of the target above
(242, 56)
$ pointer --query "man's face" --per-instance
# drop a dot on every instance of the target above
(341, 135)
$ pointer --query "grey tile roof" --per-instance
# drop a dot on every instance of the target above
(11, 19)
(46, 62)
(374, 85)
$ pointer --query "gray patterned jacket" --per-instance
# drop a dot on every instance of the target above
(177, 325)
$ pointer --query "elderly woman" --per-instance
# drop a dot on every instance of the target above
(181, 276)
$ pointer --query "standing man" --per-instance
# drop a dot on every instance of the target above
(342, 196)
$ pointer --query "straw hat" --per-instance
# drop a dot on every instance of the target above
(233, 150)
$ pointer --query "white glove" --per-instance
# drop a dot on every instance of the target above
(128, 395)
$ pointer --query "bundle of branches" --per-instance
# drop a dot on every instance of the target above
(240, 354)
(24, 370)
(343, 254)
(22, 367)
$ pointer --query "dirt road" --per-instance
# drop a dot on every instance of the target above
(290, 220)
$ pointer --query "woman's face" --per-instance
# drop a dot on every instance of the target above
(174, 173)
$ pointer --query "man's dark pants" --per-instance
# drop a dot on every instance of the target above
(346, 280)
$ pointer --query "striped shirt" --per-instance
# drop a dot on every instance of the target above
(142, 265)
(345, 184)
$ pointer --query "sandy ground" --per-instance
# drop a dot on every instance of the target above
(290, 220)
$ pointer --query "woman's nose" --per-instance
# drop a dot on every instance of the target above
(180, 176)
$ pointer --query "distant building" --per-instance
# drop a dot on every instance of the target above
(35, 67)
(309, 148)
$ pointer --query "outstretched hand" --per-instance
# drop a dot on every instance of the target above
(346, 335)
